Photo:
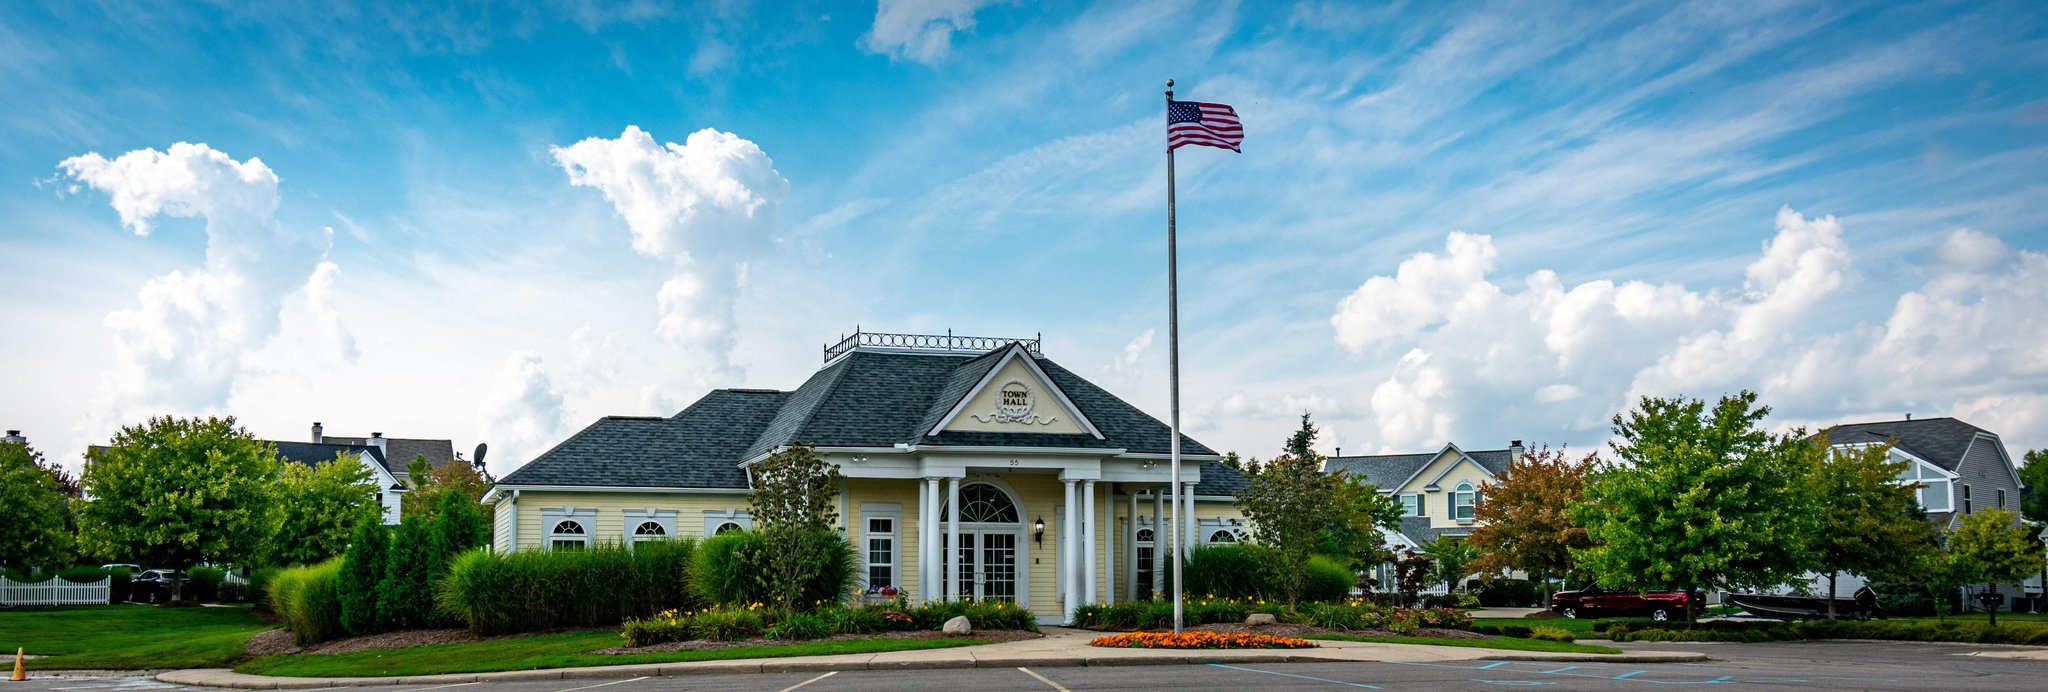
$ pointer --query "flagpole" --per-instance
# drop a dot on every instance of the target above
(1173, 378)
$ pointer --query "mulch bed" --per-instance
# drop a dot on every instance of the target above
(985, 636)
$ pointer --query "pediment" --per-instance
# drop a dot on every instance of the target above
(1016, 396)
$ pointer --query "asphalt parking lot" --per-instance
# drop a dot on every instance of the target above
(1786, 666)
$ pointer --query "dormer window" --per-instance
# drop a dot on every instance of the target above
(1461, 502)
(1932, 484)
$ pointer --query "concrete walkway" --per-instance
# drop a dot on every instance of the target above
(1060, 647)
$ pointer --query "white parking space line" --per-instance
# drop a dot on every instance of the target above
(603, 684)
(807, 682)
(1041, 678)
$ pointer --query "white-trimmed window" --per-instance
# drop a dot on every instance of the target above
(1461, 501)
(649, 524)
(1967, 508)
(1934, 485)
(1411, 504)
(717, 521)
(879, 543)
(1144, 549)
(1222, 536)
(567, 528)
(2001, 498)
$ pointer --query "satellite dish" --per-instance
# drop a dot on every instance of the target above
(478, 459)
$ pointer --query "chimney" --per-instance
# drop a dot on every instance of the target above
(14, 438)
(319, 435)
(1515, 450)
(1909, 416)
(377, 440)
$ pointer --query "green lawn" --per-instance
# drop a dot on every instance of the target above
(563, 650)
(1507, 643)
(128, 637)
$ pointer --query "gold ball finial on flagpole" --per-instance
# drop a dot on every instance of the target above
(1169, 84)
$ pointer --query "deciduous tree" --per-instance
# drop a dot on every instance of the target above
(1454, 559)
(1524, 519)
(795, 502)
(178, 491)
(1286, 501)
(34, 511)
(1868, 525)
(1699, 499)
(2034, 474)
(430, 485)
(1994, 547)
(321, 505)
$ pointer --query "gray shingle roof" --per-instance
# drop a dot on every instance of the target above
(864, 399)
(1940, 441)
(315, 454)
(699, 447)
(1388, 471)
(399, 451)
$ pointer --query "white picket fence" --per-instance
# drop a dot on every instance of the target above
(55, 592)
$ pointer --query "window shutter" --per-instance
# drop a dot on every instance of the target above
(1421, 505)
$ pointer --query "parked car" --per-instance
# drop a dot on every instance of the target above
(130, 568)
(156, 585)
(1657, 605)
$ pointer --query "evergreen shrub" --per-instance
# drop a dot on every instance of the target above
(306, 600)
(1508, 593)
(405, 598)
(1329, 580)
(363, 567)
(533, 590)
(202, 583)
(1228, 570)
(729, 566)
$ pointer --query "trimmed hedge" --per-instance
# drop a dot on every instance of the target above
(729, 623)
(1329, 580)
(307, 600)
(729, 566)
(533, 590)
(1915, 631)
(1231, 570)
(203, 583)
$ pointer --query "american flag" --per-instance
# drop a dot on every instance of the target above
(1205, 124)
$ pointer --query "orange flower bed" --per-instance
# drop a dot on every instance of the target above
(1199, 640)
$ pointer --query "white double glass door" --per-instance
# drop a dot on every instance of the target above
(988, 564)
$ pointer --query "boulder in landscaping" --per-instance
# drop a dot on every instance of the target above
(957, 625)
(1256, 619)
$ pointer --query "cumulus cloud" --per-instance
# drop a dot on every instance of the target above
(708, 205)
(522, 415)
(919, 30)
(184, 346)
(1134, 351)
(1546, 359)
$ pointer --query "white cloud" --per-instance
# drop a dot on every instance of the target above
(708, 204)
(1133, 352)
(919, 30)
(523, 413)
(184, 347)
(1545, 360)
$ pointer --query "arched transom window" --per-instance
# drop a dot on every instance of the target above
(1461, 501)
(986, 504)
(1145, 535)
(568, 534)
(725, 528)
(1223, 536)
(651, 529)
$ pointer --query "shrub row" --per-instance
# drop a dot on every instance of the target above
(531, 590)
(1238, 571)
(729, 568)
(1917, 631)
(734, 623)
(1363, 615)
(307, 600)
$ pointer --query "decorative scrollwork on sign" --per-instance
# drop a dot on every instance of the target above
(1014, 404)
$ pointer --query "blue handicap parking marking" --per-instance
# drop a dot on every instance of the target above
(1592, 671)
(1514, 683)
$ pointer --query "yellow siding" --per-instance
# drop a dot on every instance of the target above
(1054, 418)
(611, 511)
(501, 527)
(1440, 512)
(909, 527)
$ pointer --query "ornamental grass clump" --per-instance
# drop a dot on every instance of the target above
(1199, 640)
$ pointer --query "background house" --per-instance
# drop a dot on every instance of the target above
(1438, 491)
(386, 457)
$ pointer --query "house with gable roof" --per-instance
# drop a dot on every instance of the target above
(386, 457)
(1034, 484)
(1438, 491)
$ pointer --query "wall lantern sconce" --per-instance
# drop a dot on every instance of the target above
(1038, 531)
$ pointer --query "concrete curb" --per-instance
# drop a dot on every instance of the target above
(221, 677)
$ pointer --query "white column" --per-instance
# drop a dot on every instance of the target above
(1109, 549)
(1069, 536)
(1131, 549)
(928, 558)
(1193, 529)
(952, 538)
(1159, 542)
(1088, 543)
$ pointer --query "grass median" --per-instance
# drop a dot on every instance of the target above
(1502, 643)
(563, 650)
(128, 636)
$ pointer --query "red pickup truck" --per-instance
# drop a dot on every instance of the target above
(1658, 605)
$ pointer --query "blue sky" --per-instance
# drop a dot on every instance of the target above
(1452, 222)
